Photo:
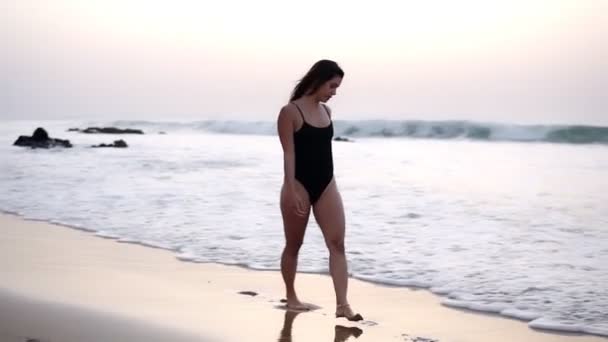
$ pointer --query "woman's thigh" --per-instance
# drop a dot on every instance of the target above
(294, 225)
(329, 214)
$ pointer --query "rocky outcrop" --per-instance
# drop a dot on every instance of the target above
(41, 139)
(106, 130)
(117, 143)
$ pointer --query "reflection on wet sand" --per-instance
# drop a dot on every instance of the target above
(341, 333)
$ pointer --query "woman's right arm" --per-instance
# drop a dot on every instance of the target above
(285, 126)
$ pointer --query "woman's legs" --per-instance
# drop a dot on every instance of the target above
(294, 227)
(329, 214)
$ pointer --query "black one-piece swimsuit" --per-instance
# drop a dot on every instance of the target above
(314, 161)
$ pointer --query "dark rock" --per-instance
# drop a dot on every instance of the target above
(117, 143)
(161, 132)
(111, 130)
(248, 293)
(73, 129)
(343, 139)
(40, 139)
(120, 143)
(40, 134)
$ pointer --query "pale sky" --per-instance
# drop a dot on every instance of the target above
(534, 61)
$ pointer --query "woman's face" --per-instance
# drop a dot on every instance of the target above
(328, 89)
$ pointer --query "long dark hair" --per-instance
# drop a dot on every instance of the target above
(321, 72)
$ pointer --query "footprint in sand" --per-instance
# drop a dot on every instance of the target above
(368, 323)
(408, 338)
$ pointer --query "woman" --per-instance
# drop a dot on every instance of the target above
(306, 130)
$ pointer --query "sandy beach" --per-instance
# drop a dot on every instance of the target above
(61, 284)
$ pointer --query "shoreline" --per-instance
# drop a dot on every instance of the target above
(393, 312)
(441, 298)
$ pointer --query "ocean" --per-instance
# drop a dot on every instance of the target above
(507, 219)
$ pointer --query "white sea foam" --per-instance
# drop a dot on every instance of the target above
(547, 324)
(520, 314)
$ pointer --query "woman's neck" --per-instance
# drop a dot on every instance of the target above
(311, 100)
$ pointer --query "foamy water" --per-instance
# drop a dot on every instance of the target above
(519, 229)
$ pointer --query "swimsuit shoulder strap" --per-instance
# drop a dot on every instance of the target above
(300, 110)
(326, 111)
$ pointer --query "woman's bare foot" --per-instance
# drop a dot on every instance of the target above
(295, 304)
(344, 310)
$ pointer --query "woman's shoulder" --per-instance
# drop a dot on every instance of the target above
(288, 118)
(288, 110)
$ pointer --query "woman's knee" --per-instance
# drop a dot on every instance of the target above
(293, 247)
(336, 245)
